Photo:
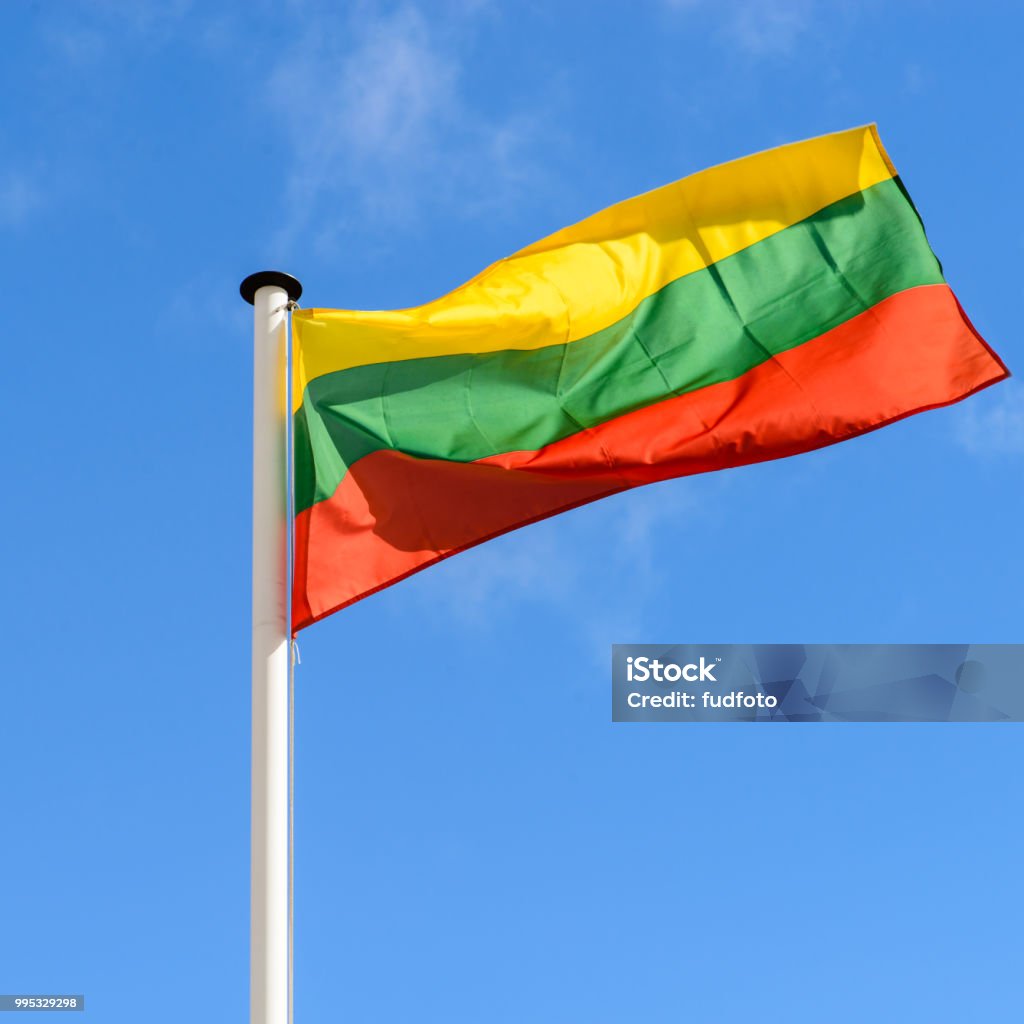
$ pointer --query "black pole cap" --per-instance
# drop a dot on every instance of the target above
(253, 282)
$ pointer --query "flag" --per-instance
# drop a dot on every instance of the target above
(762, 308)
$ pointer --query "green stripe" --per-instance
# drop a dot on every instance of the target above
(710, 326)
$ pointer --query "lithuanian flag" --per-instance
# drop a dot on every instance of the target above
(759, 309)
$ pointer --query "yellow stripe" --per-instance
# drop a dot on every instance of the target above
(586, 277)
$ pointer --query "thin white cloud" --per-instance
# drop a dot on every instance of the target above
(381, 122)
(761, 28)
(20, 198)
(647, 515)
(993, 426)
(590, 551)
(915, 80)
(141, 17)
(78, 44)
(524, 569)
(770, 27)
(84, 36)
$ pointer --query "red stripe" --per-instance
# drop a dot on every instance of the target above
(393, 514)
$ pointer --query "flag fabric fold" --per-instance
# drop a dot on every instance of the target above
(762, 308)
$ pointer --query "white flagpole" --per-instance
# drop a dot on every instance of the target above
(269, 989)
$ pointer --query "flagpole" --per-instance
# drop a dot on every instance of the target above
(269, 292)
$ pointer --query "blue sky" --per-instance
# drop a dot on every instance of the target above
(475, 839)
